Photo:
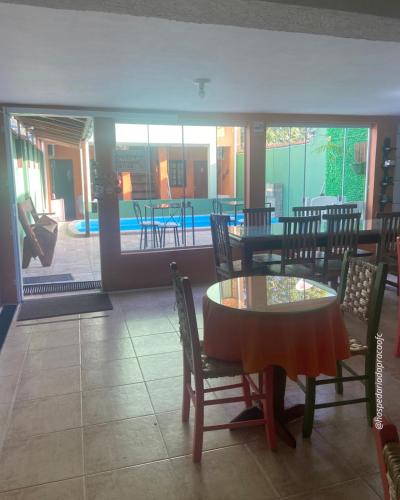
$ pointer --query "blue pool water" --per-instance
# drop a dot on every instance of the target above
(131, 224)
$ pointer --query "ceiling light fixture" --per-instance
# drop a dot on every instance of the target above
(201, 84)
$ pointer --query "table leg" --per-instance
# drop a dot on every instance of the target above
(282, 415)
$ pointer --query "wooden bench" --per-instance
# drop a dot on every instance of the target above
(388, 449)
(40, 236)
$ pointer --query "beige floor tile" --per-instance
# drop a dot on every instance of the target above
(351, 490)
(229, 474)
(361, 453)
(374, 481)
(122, 443)
(166, 394)
(156, 344)
(111, 373)
(8, 385)
(160, 366)
(102, 331)
(120, 484)
(58, 357)
(56, 338)
(178, 436)
(46, 383)
(115, 403)
(104, 351)
(11, 362)
(69, 322)
(40, 416)
(309, 467)
(70, 489)
(16, 341)
(149, 326)
(41, 459)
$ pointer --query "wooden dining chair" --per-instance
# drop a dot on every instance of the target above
(387, 250)
(388, 452)
(225, 266)
(342, 236)
(343, 209)
(308, 211)
(299, 247)
(262, 219)
(362, 286)
(198, 364)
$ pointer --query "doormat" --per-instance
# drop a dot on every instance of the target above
(51, 278)
(6, 317)
(63, 306)
(68, 286)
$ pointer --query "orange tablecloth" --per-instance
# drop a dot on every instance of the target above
(305, 343)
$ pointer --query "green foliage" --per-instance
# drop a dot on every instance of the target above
(341, 142)
(286, 135)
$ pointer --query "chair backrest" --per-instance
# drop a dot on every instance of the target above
(345, 208)
(308, 211)
(137, 211)
(24, 209)
(342, 236)
(362, 286)
(187, 319)
(220, 240)
(299, 243)
(258, 216)
(217, 206)
(390, 231)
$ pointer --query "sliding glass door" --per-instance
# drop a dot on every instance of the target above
(315, 165)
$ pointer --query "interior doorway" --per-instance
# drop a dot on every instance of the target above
(63, 185)
(51, 162)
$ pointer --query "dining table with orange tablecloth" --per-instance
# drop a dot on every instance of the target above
(291, 323)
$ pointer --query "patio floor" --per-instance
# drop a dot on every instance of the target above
(80, 256)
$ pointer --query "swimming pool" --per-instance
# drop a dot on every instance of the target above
(131, 224)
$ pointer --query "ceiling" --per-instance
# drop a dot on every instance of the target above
(57, 129)
(93, 59)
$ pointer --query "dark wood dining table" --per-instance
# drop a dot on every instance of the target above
(252, 239)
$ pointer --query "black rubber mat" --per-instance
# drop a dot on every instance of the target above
(70, 286)
(63, 306)
(51, 278)
(6, 317)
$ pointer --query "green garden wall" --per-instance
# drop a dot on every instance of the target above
(343, 141)
(300, 168)
(29, 179)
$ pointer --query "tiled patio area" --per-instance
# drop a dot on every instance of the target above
(80, 256)
(90, 409)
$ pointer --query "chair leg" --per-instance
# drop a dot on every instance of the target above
(198, 424)
(145, 237)
(268, 406)
(371, 399)
(246, 391)
(339, 373)
(141, 238)
(185, 394)
(309, 408)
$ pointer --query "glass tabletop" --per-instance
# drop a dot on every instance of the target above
(271, 294)
(276, 229)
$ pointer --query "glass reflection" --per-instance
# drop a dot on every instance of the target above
(270, 293)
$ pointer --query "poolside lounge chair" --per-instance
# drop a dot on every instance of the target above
(40, 237)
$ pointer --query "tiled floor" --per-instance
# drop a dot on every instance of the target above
(90, 409)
